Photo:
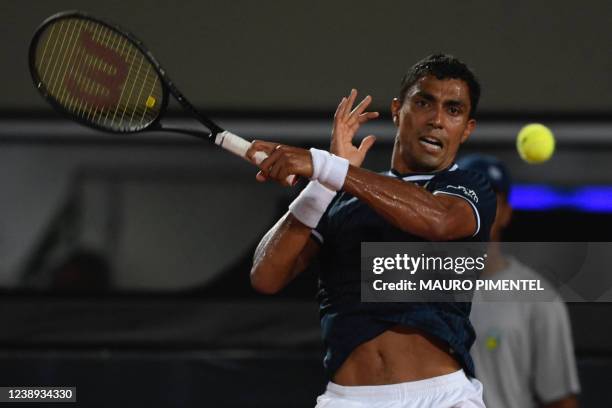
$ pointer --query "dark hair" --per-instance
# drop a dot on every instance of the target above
(442, 66)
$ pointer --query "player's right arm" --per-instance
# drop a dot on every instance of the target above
(283, 253)
(287, 249)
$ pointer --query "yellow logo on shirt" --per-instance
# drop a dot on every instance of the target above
(491, 343)
(492, 340)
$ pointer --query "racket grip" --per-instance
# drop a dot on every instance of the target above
(239, 147)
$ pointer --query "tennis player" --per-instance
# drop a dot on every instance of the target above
(524, 352)
(385, 354)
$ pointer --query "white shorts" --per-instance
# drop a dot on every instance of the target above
(454, 390)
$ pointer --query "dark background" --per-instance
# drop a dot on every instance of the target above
(303, 55)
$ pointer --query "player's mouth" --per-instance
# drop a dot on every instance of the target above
(431, 144)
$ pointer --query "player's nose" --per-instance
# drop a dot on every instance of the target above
(436, 118)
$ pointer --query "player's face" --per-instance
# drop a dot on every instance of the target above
(431, 123)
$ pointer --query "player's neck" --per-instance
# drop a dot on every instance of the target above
(402, 166)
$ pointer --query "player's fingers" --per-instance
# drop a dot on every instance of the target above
(359, 109)
(260, 177)
(276, 156)
(340, 107)
(276, 170)
(366, 144)
(364, 117)
(267, 164)
(264, 167)
(348, 106)
(285, 178)
(287, 164)
(264, 146)
(260, 146)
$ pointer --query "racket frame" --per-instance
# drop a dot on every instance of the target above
(167, 84)
(216, 134)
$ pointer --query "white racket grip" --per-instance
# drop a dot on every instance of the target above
(232, 143)
(239, 147)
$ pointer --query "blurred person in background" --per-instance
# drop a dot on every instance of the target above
(83, 270)
(523, 353)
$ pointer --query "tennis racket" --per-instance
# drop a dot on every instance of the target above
(104, 77)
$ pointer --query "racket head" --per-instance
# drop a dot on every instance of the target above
(97, 73)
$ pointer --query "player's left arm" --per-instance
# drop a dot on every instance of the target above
(436, 217)
(411, 208)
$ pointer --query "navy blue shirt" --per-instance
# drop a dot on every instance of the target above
(346, 322)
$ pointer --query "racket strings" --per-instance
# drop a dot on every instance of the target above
(98, 75)
(88, 86)
(133, 56)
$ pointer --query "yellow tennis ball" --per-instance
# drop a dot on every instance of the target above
(535, 143)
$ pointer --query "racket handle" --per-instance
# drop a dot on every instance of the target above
(239, 147)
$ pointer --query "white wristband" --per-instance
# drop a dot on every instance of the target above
(312, 202)
(328, 168)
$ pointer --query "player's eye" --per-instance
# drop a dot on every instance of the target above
(454, 110)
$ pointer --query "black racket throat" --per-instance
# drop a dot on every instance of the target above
(212, 126)
(200, 134)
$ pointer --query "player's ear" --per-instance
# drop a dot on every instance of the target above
(396, 105)
(469, 128)
(505, 213)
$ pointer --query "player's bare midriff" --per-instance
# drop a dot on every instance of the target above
(398, 355)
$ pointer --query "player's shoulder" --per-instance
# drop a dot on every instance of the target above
(457, 174)
(468, 183)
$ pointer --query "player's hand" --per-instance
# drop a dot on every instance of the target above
(346, 123)
(282, 161)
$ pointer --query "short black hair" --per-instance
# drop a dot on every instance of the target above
(442, 66)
